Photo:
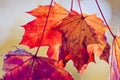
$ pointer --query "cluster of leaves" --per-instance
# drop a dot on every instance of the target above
(69, 35)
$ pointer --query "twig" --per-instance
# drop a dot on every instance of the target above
(43, 33)
(104, 19)
(80, 7)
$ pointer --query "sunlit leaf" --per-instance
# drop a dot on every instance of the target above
(34, 29)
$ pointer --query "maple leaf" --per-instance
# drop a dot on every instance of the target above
(22, 65)
(34, 30)
(115, 59)
(116, 46)
(78, 32)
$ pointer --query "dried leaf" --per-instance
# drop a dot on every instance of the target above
(78, 32)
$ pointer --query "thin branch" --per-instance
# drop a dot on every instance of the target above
(104, 19)
(80, 7)
(43, 33)
(71, 5)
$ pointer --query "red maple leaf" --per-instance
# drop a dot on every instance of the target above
(47, 17)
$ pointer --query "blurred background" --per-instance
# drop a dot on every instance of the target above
(13, 16)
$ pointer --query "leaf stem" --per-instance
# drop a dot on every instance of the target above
(43, 33)
(71, 5)
(80, 7)
(104, 19)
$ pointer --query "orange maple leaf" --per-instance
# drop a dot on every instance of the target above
(116, 46)
(78, 32)
(115, 59)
